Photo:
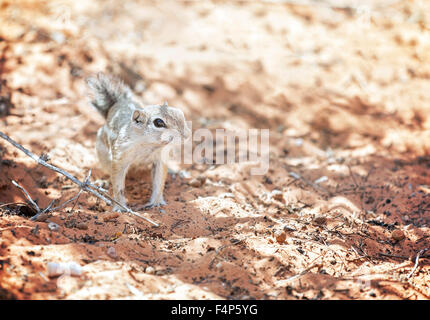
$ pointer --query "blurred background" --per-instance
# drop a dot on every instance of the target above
(338, 72)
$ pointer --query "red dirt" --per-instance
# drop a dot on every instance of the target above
(345, 93)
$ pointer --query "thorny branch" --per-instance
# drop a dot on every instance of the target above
(86, 185)
(49, 209)
(34, 204)
(40, 213)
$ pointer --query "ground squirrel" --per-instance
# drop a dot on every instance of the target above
(133, 133)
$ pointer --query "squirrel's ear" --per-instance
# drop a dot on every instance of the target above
(138, 116)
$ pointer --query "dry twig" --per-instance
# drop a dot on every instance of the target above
(417, 259)
(34, 204)
(86, 185)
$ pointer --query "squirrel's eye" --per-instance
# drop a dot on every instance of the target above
(159, 123)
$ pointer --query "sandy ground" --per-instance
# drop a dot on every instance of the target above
(342, 212)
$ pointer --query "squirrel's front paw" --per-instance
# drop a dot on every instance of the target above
(104, 184)
(151, 204)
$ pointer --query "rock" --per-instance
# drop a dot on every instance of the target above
(149, 270)
(111, 252)
(398, 235)
(53, 226)
(280, 236)
(75, 269)
(320, 220)
(55, 269)
(278, 195)
(72, 268)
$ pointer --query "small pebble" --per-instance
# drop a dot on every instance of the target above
(278, 195)
(320, 220)
(280, 236)
(72, 268)
(149, 270)
(55, 269)
(53, 226)
(397, 235)
(75, 269)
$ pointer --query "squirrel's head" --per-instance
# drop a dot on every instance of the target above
(156, 125)
(160, 125)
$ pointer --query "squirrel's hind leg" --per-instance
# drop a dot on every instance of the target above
(104, 152)
(119, 172)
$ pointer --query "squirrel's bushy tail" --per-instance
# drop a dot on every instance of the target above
(106, 91)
